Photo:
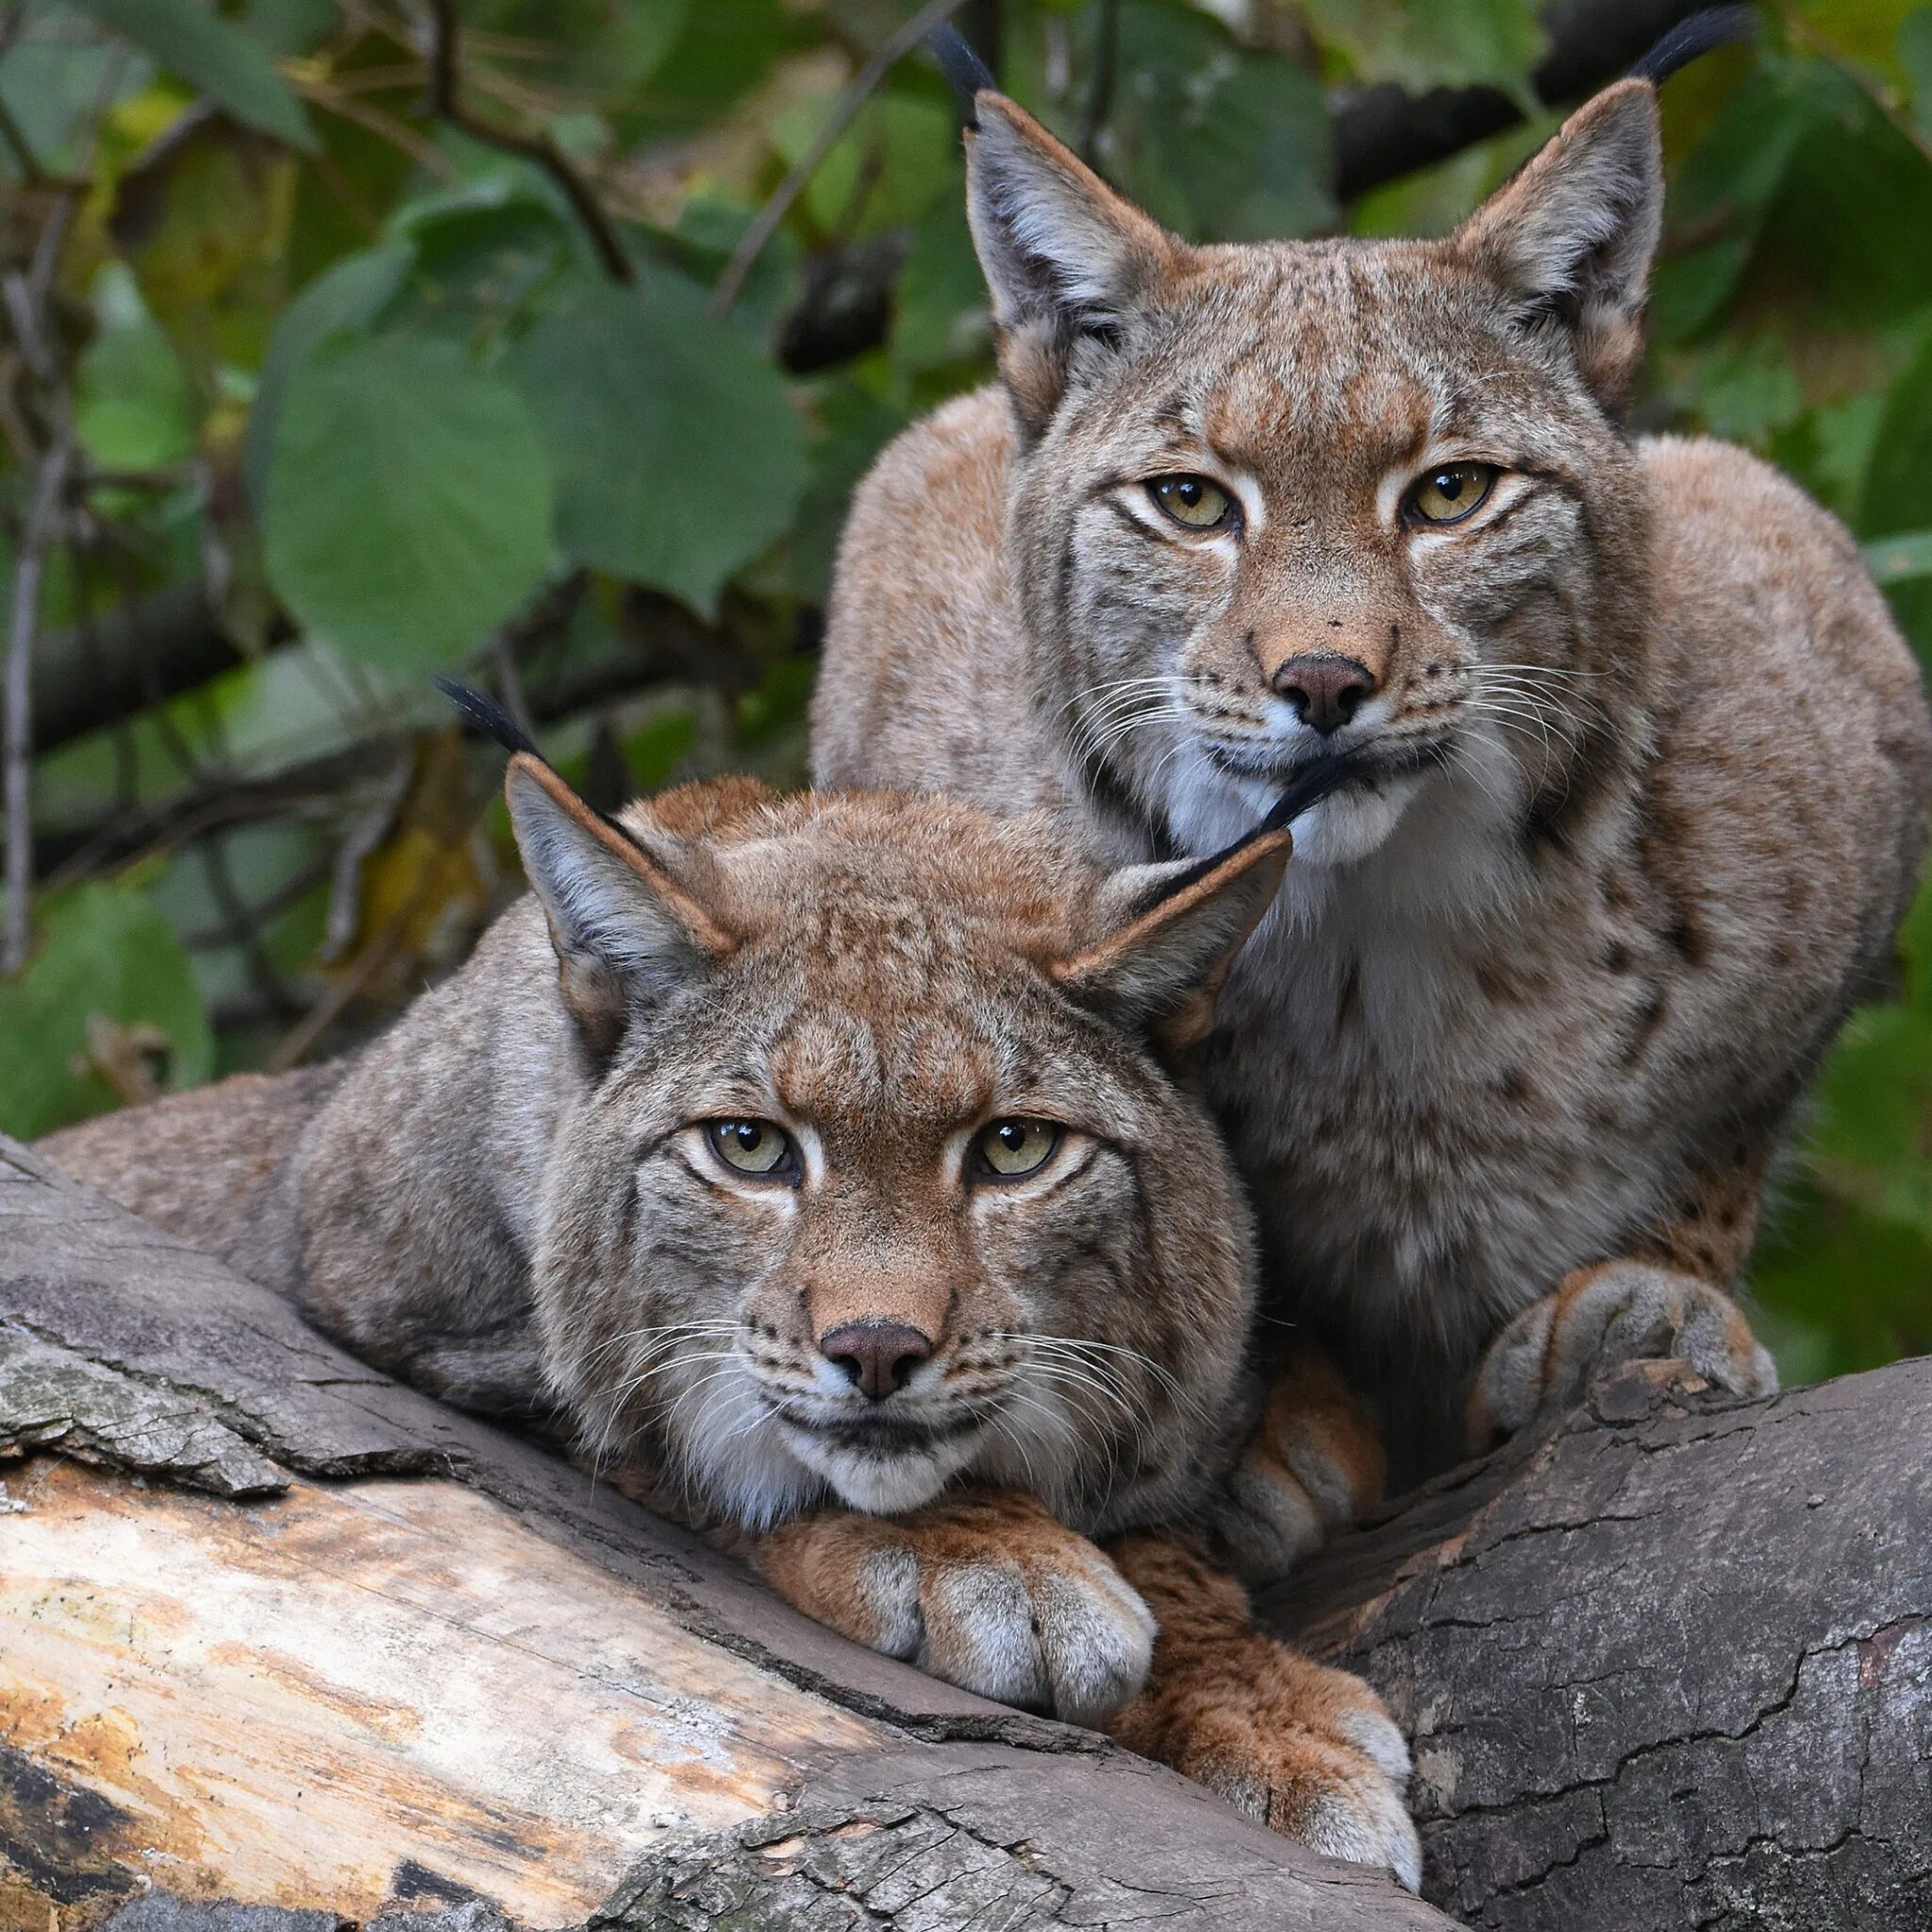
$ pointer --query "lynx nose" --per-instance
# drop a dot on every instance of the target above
(1325, 688)
(877, 1356)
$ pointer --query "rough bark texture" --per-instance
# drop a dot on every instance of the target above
(1671, 1667)
(277, 1632)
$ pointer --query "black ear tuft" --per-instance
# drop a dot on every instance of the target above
(1310, 786)
(488, 716)
(1716, 27)
(966, 74)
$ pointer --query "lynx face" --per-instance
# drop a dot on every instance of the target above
(1280, 501)
(880, 1183)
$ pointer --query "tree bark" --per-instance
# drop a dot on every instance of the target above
(298, 1646)
(277, 1632)
(1671, 1666)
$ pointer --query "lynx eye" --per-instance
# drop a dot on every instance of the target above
(755, 1147)
(1012, 1148)
(1192, 500)
(1448, 494)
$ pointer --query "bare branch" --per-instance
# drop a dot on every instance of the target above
(445, 101)
(17, 742)
(935, 13)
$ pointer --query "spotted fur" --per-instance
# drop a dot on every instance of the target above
(509, 1198)
(1649, 764)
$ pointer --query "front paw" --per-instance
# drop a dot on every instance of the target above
(1307, 1751)
(990, 1593)
(1617, 1311)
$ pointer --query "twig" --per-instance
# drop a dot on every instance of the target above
(27, 296)
(43, 521)
(445, 101)
(1107, 51)
(764, 224)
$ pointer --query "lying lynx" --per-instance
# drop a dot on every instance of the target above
(1641, 763)
(818, 1157)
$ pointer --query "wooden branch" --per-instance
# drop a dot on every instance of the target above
(277, 1631)
(1382, 133)
(1671, 1666)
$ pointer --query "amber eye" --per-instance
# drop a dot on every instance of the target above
(1448, 494)
(1191, 500)
(1012, 1148)
(755, 1147)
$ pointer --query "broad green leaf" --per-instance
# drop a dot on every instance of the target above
(188, 40)
(56, 78)
(896, 160)
(347, 296)
(1897, 496)
(133, 406)
(1900, 559)
(1222, 144)
(107, 987)
(678, 453)
(1915, 57)
(408, 500)
(1472, 43)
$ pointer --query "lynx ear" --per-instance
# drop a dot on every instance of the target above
(626, 922)
(1571, 236)
(1171, 932)
(1066, 259)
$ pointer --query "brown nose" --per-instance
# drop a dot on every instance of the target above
(877, 1356)
(1325, 689)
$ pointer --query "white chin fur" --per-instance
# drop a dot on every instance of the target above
(881, 1485)
(1340, 830)
(1209, 808)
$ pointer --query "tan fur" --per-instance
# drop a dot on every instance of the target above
(509, 1198)
(1650, 766)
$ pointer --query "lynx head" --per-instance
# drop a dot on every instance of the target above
(1279, 499)
(880, 1177)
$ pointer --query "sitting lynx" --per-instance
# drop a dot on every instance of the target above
(817, 1157)
(1640, 765)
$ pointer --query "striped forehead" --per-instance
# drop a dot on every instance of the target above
(890, 1071)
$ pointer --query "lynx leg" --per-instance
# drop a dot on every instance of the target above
(1663, 1299)
(1309, 1751)
(1313, 1464)
(987, 1590)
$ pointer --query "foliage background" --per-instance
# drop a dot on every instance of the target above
(349, 341)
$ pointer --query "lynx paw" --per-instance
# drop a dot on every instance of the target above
(1617, 1311)
(990, 1593)
(1313, 1464)
(1307, 1751)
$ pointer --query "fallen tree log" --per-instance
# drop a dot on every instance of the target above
(278, 1632)
(1671, 1666)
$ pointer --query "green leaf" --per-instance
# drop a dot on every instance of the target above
(408, 500)
(1218, 143)
(347, 296)
(1900, 559)
(1915, 57)
(1472, 43)
(107, 963)
(678, 453)
(133, 406)
(220, 61)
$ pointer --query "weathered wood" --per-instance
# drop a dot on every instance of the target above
(305, 1639)
(278, 1634)
(1671, 1667)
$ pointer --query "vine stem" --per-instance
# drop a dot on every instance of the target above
(859, 89)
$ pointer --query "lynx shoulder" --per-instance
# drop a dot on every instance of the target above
(1642, 766)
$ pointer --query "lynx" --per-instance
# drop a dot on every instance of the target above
(1639, 765)
(819, 1160)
